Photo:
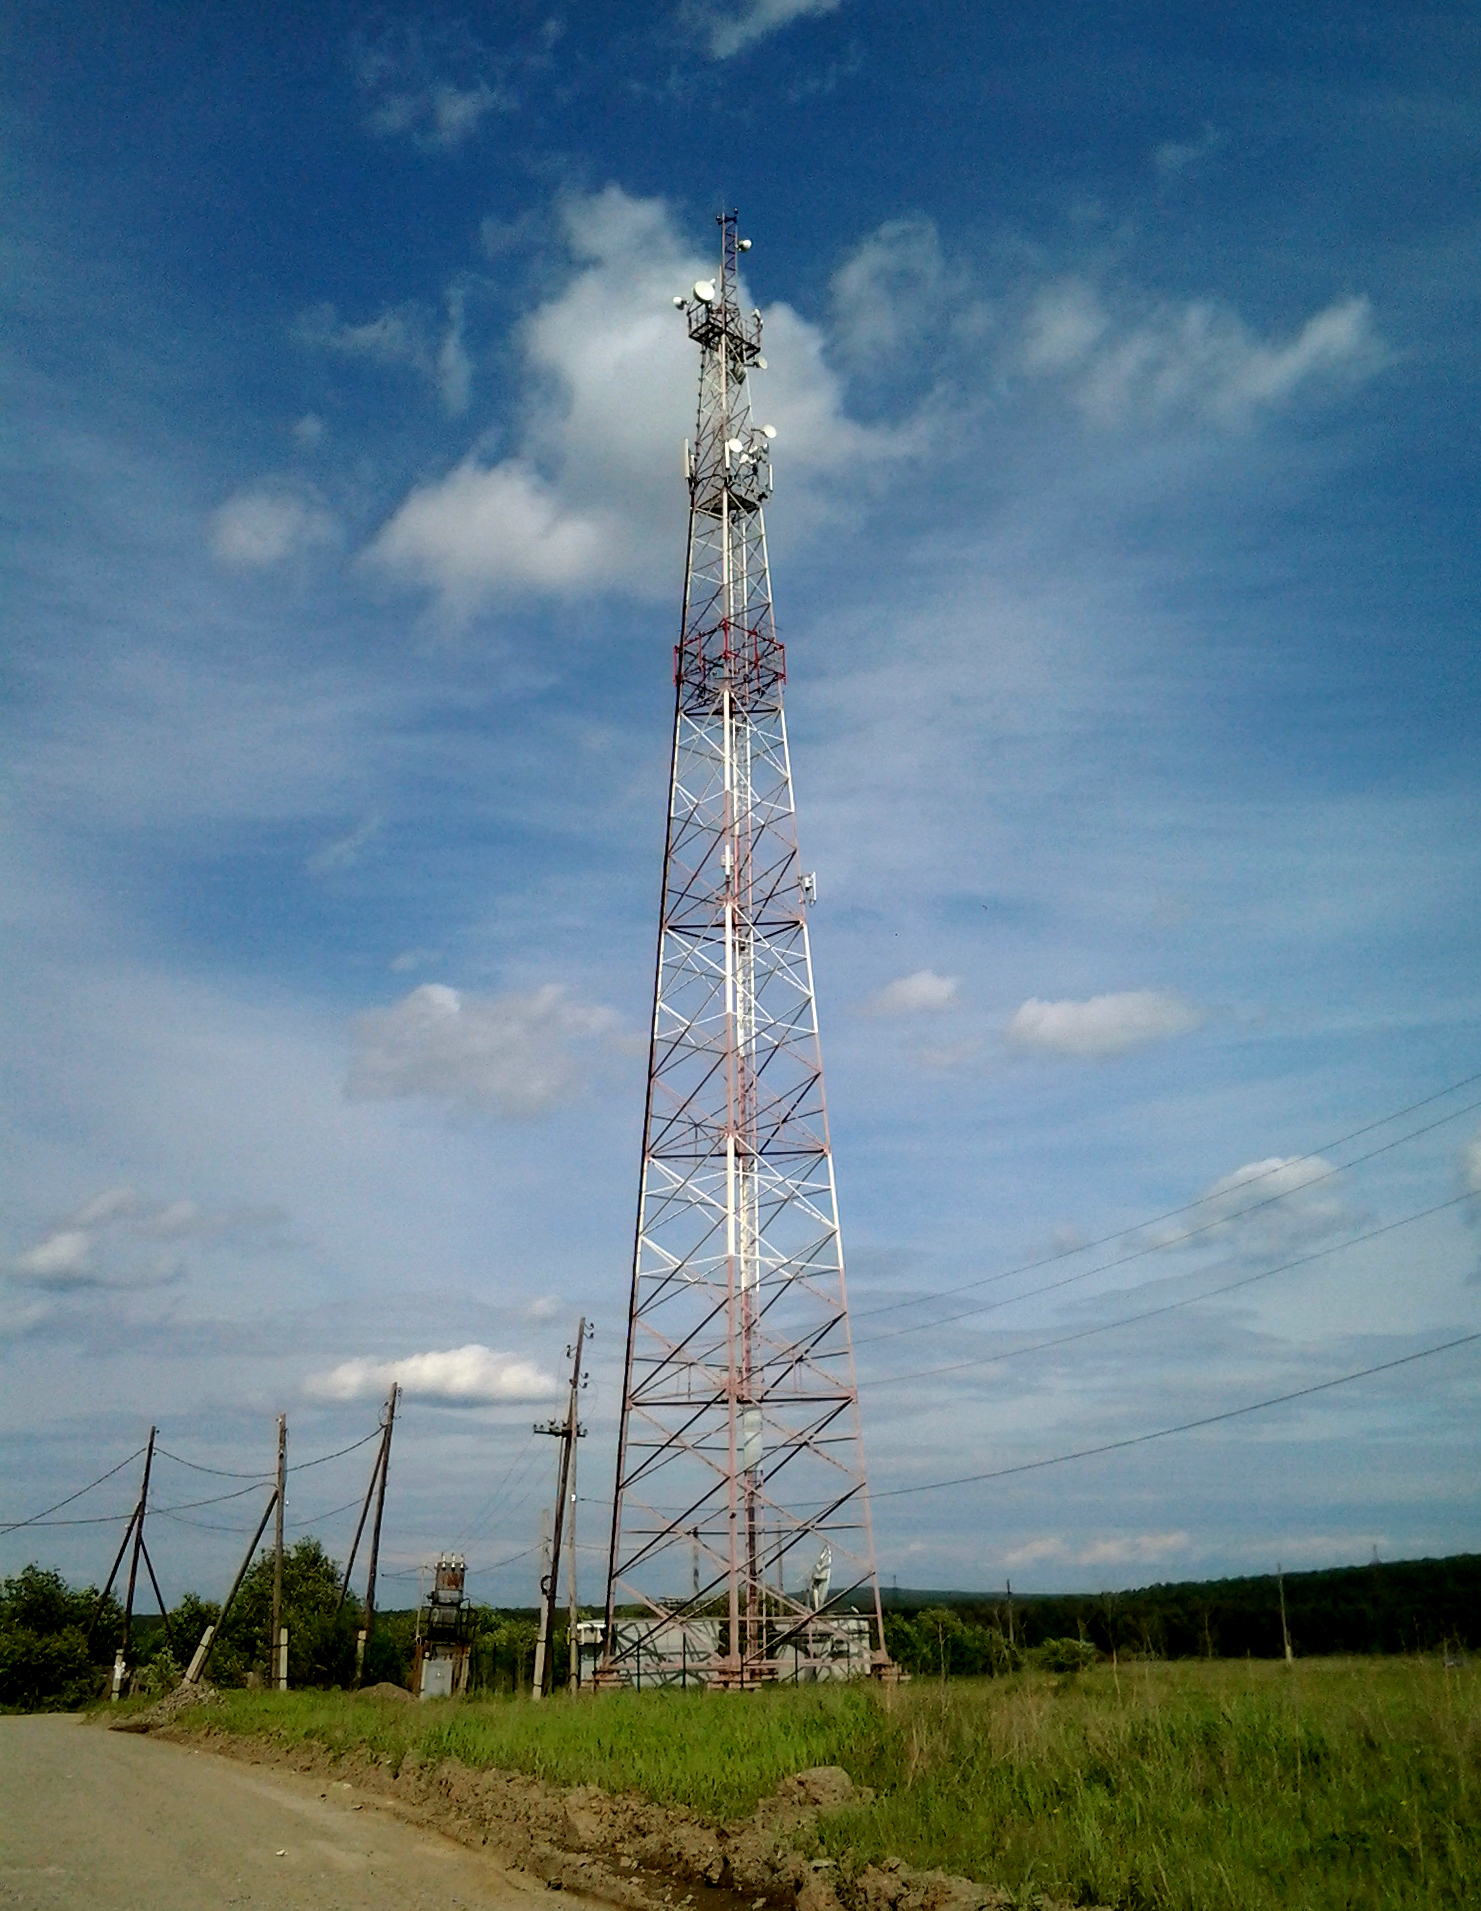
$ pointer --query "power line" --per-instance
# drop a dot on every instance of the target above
(1186, 1426)
(1138, 1253)
(339, 1453)
(216, 1499)
(1171, 1214)
(221, 1472)
(37, 1519)
(101, 1519)
(1189, 1300)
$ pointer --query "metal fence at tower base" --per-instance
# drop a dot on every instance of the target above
(648, 1654)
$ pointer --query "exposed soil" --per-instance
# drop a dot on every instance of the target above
(627, 1850)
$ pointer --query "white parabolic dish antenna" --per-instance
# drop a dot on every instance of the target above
(704, 290)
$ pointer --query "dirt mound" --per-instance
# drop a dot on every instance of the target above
(184, 1698)
(385, 1690)
(628, 1850)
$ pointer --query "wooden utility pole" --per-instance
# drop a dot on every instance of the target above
(277, 1657)
(375, 1532)
(568, 1432)
(128, 1604)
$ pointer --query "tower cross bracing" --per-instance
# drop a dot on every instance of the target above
(740, 1530)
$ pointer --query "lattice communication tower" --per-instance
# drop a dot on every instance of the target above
(741, 1542)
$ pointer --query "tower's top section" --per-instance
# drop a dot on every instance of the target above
(728, 639)
(715, 319)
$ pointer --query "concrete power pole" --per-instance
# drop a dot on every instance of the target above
(278, 1644)
(1285, 1631)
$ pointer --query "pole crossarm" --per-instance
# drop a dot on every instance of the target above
(740, 1440)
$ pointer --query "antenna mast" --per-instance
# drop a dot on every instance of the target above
(740, 1445)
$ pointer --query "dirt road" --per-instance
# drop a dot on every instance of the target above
(97, 1819)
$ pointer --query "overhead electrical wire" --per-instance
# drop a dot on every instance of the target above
(36, 1519)
(1171, 1214)
(1168, 1307)
(1185, 1426)
(1134, 1254)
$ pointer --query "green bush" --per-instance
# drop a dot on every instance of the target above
(46, 1661)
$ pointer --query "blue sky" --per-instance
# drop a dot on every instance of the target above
(1124, 369)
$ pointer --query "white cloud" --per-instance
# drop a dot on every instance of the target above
(1124, 1549)
(922, 993)
(91, 1248)
(309, 429)
(1064, 321)
(485, 529)
(258, 529)
(410, 959)
(515, 1054)
(1104, 1025)
(342, 851)
(1266, 1204)
(592, 496)
(437, 115)
(890, 290)
(1196, 359)
(60, 1258)
(543, 1307)
(728, 33)
(403, 335)
(468, 1376)
(1175, 157)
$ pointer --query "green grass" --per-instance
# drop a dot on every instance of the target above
(1333, 1783)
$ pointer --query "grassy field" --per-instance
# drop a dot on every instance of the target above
(1350, 1783)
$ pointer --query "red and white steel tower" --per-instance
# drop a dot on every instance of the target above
(741, 1543)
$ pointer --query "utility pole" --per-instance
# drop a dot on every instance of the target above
(277, 1657)
(575, 1650)
(568, 1432)
(375, 1531)
(133, 1531)
(377, 1477)
(1285, 1631)
(1009, 1584)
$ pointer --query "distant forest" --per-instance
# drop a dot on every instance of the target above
(1416, 1605)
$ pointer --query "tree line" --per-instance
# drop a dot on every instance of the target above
(57, 1642)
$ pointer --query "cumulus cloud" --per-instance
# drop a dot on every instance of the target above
(924, 992)
(403, 335)
(1124, 1549)
(1104, 1025)
(591, 496)
(1197, 359)
(1265, 1205)
(97, 1246)
(730, 32)
(463, 1376)
(894, 291)
(258, 529)
(517, 1055)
